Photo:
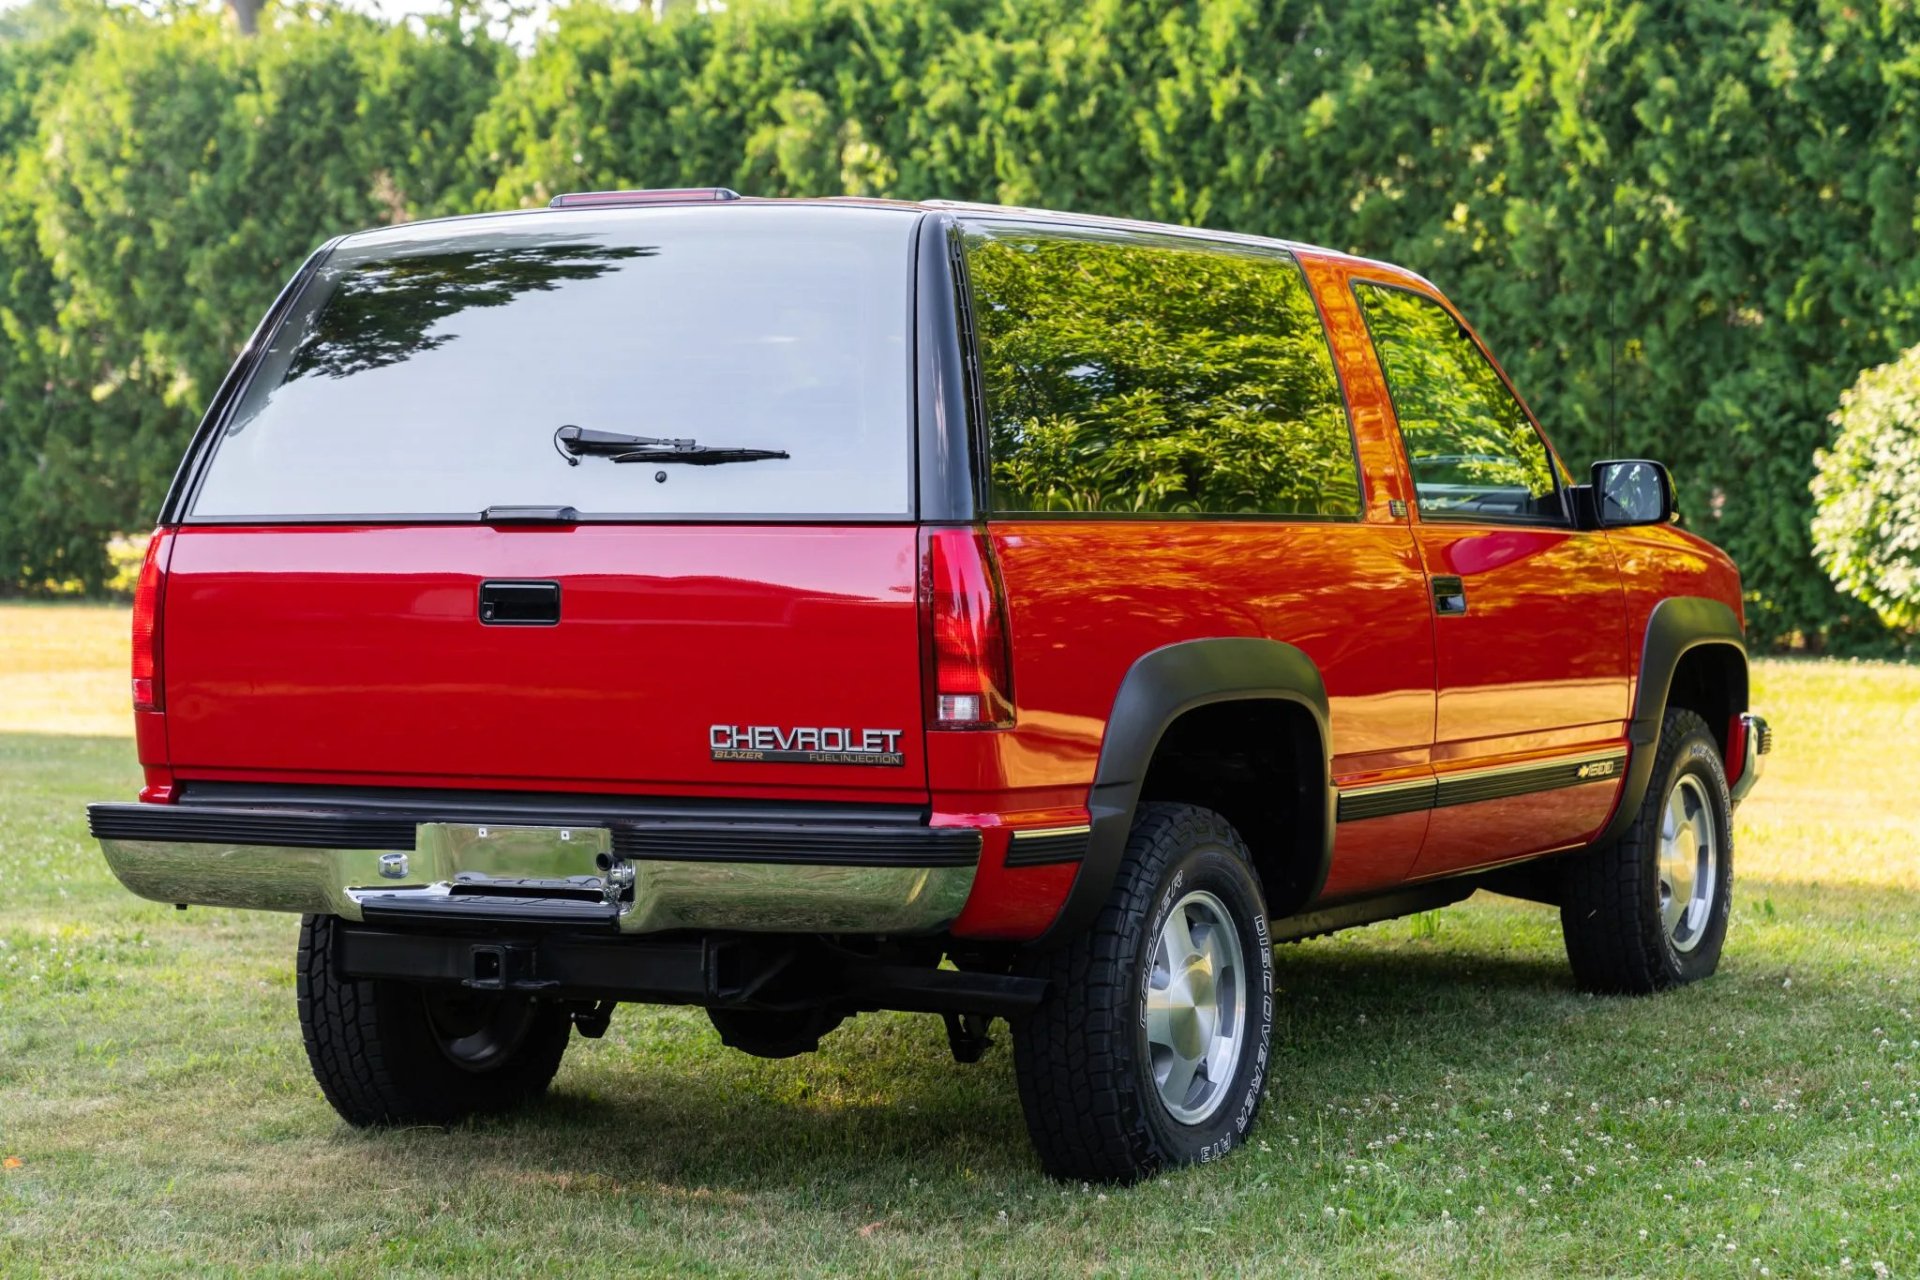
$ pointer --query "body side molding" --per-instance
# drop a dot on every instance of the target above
(1162, 685)
(1472, 785)
(1676, 625)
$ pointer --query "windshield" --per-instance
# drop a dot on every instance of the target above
(425, 370)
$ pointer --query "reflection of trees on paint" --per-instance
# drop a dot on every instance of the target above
(1470, 443)
(1127, 376)
(380, 311)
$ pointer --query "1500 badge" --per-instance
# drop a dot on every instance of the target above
(771, 744)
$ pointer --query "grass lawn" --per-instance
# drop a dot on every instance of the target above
(1443, 1102)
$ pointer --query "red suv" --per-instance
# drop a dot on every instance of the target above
(752, 604)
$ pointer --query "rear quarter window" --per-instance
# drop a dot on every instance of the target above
(424, 370)
(1155, 375)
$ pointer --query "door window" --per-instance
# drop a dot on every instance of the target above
(1474, 452)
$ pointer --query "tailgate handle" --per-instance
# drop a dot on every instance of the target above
(520, 604)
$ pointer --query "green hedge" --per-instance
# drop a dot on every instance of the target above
(1720, 197)
(159, 181)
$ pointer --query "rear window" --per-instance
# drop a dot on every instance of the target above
(425, 370)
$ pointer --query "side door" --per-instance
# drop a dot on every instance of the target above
(1529, 612)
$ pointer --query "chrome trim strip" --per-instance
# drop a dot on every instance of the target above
(665, 894)
(1553, 762)
(1388, 788)
(1040, 833)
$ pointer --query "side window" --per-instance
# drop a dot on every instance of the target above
(1474, 453)
(1134, 375)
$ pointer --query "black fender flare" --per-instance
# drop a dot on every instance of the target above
(1161, 686)
(1676, 625)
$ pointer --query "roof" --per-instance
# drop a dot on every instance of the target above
(714, 197)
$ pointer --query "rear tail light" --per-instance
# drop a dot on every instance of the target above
(970, 672)
(148, 599)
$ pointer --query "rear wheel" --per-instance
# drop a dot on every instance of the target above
(1650, 911)
(395, 1053)
(1151, 1046)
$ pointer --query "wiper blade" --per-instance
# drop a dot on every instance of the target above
(575, 443)
(700, 455)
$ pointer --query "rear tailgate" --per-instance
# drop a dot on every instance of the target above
(720, 598)
(768, 660)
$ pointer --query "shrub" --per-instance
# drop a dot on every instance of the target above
(1866, 531)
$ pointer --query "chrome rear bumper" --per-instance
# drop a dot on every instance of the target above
(1759, 744)
(634, 877)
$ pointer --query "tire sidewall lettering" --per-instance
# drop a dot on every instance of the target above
(1263, 1039)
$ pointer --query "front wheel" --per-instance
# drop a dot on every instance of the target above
(394, 1053)
(1650, 911)
(1151, 1046)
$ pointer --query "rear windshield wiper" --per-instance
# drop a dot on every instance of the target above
(575, 443)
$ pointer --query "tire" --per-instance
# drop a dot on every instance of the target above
(395, 1053)
(1089, 1068)
(1633, 920)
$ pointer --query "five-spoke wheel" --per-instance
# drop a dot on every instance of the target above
(1689, 863)
(1196, 1016)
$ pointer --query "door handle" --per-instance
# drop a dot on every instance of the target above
(520, 604)
(1449, 595)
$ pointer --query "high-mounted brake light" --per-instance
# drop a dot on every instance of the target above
(148, 601)
(970, 672)
(659, 195)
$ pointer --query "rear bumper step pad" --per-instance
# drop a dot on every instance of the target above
(836, 843)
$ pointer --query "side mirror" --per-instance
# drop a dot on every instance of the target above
(1635, 491)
